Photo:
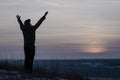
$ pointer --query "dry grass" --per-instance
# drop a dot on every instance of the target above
(40, 72)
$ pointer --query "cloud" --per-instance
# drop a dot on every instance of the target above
(70, 27)
(10, 2)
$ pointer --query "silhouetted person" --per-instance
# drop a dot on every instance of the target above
(29, 40)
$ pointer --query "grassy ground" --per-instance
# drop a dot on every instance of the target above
(13, 71)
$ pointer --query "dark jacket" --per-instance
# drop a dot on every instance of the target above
(29, 30)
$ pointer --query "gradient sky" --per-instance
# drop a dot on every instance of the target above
(73, 29)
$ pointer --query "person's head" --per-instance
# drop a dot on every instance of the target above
(27, 22)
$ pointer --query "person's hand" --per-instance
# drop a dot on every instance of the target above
(46, 13)
(18, 17)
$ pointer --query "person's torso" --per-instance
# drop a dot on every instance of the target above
(29, 35)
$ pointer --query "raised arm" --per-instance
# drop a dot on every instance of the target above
(40, 20)
(19, 21)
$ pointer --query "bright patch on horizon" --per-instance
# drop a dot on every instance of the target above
(95, 50)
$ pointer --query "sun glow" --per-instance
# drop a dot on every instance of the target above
(95, 50)
(94, 47)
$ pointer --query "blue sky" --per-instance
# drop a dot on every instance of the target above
(73, 29)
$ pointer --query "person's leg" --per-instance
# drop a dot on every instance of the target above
(29, 50)
(31, 56)
(26, 52)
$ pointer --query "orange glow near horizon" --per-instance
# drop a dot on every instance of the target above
(92, 49)
(95, 47)
(95, 50)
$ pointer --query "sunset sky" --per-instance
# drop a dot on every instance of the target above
(73, 29)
